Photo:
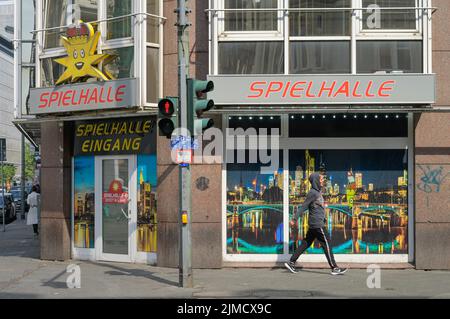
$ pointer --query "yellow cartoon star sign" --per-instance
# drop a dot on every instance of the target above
(81, 60)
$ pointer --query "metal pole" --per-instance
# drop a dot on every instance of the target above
(22, 181)
(3, 185)
(185, 249)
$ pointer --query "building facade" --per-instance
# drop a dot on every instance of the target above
(353, 89)
(7, 129)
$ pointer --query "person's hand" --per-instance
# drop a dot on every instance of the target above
(293, 222)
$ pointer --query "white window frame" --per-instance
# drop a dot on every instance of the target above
(256, 35)
(287, 144)
(53, 55)
(122, 45)
(423, 34)
(401, 33)
(94, 254)
(103, 26)
(158, 46)
(138, 40)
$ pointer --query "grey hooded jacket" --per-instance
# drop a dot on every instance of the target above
(314, 203)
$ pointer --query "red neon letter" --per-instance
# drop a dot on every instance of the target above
(330, 89)
(119, 92)
(66, 98)
(53, 98)
(270, 89)
(343, 89)
(368, 90)
(254, 89)
(286, 88)
(296, 88)
(355, 89)
(44, 100)
(384, 88)
(308, 90)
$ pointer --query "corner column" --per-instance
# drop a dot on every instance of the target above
(56, 190)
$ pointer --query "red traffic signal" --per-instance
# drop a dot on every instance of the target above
(166, 107)
(167, 117)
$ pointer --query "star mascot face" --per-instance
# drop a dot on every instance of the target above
(82, 61)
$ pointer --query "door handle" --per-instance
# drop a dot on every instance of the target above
(127, 216)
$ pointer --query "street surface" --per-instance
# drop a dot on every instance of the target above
(23, 275)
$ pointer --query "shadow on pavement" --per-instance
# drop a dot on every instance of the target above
(56, 284)
(119, 271)
(308, 270)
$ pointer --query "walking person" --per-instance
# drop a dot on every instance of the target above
(314, 203)
(34, 200)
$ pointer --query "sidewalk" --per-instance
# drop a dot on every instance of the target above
(22, 275)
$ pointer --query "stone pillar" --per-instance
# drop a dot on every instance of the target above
(206, 220)
(432, 191)
(206, 178)
(167, 206)
(56, 190)
(207, 210)
(432, 158)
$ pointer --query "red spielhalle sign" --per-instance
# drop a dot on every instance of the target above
(84, 97)
(323, 89)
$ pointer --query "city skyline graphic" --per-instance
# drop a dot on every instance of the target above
(365, 198)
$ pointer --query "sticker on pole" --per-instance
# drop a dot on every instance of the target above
(184, 142)
(184, 157)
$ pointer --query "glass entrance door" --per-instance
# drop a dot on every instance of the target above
(115, 198)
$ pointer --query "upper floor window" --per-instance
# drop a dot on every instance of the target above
(319, 57)
(377, 15)
(55, 15)
(319, 36)
(59, 13)
(390, 56)
(263, 57)
(123, 64)
(313, 22)
(251, 20)
(153, 23)
(121, 27)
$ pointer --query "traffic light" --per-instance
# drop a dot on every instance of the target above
(3, 149)
(167, 113)
(197, 104)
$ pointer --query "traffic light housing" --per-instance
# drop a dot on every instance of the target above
(167, 116)
(197, 104)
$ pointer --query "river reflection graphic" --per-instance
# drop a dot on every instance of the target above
(376, 229)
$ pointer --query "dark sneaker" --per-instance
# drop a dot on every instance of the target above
(291, 266)
(338, 271)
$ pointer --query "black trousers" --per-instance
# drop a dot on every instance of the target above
(321, 235)
(35, 228)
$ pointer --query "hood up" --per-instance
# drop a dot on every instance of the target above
(314, 179)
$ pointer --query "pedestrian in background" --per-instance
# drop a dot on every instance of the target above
(34, 200)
